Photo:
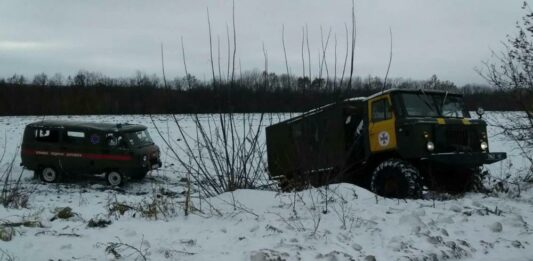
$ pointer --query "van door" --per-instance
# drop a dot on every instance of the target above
(45, 148)
(381, 127)
(73, 147)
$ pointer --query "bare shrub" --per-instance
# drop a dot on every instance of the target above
(125, 251)
(343, 209)
(513, 73)
(157, 206)
(506, 183)
(312, 202)
(225, 156)
(12, 194)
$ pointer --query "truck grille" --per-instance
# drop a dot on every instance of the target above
(457, 136)
(460, 139)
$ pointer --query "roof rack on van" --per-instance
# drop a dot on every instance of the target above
(99, 126)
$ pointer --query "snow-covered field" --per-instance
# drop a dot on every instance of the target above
(344, 222)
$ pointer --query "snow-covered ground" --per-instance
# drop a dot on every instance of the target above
(343, 222)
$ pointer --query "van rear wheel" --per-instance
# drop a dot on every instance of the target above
(396, 178)
(114, 178)
(48, 175)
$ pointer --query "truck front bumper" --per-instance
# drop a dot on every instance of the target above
(467, 159)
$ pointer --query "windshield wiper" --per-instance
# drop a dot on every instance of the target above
(427, 103)
(444, 100)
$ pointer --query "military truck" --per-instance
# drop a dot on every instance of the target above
(53, 149)
(394, 142)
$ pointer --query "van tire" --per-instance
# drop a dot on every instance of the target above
(48, 175)
(396, 179)
(114, 178)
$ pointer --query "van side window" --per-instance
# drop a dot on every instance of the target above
(381, 110)
(46, 135)
(74, 137)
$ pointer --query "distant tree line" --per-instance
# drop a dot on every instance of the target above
(252, 91)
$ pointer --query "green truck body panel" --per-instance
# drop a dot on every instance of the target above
(88, 148)
(314, 141)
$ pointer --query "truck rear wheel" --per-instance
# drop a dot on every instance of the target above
(396, 179)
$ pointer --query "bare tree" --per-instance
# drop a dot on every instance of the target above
(512, 72)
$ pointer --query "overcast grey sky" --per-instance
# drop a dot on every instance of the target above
(448, 38)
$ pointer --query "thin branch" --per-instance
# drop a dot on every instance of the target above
(187, 77)
(234, 43)
(303, 59)
(335, 65)
(346, 55)
(353, 44)
(218, 54)
(211, 48)
(163, 67)
(390, 61)
(285, 53)
(308, 50)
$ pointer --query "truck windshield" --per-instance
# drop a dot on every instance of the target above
(138, 138)
(432, 105)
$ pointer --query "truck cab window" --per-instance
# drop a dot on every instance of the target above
(381, 110)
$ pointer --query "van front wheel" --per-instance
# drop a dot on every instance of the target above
(48, 175)
(396, 179)
(114, 178)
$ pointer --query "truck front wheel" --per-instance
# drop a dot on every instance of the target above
(396, 179)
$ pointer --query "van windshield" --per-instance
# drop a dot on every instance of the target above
(423, 104)
(138, 138)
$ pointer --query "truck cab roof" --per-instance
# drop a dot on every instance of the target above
(396, 90)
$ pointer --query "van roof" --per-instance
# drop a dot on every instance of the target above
(98, 126)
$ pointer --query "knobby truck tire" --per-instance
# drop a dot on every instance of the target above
(397, 179)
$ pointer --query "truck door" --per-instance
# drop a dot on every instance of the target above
(381, 127)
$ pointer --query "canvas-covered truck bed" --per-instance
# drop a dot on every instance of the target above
(313, 143)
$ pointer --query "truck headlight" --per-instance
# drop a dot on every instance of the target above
(484, 145)
(430, 146)
(145, 158)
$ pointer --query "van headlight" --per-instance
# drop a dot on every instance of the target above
(430, 146)
(484, 146)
